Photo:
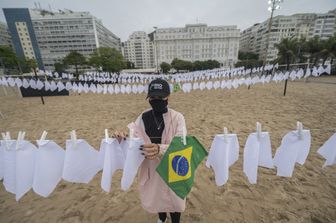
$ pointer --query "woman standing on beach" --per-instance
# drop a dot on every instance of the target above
(157, 127)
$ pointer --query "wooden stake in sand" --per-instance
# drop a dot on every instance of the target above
(285, 89)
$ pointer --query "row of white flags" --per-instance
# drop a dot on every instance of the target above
(134, 78)
(24, 166)
(138, 77)
(142, 88)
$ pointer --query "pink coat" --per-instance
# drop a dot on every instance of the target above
(155, 195)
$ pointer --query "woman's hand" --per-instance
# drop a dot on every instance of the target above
(120, 135)
(150, 151)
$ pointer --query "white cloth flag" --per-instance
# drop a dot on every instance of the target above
(9, 163)
(223, 153)
(25, 163)
(39, 85)
(133, 161)
(257, 152)
(18, 166)
(80, 163)
(328, 151)
(48, 167)
(292, 150)
(25, 83)
(68, 86)
(18, 82)
(113, 155)
(60, 86)
(53, 86)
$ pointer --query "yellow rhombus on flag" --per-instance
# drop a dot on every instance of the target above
(178, 164)
(176, 161)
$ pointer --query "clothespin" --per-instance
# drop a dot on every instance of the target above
(184, 137)
(131, 132)
(19, 138)
(106, 135)
(258, 130)
(299, 128)
(17, 141)
(4, 137)
(73, 138)
(225, 135)
(44, 135)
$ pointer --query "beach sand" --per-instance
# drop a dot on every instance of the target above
(309, 196)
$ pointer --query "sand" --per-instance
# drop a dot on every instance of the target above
(309, 196)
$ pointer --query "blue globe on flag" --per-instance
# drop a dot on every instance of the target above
(180, 165)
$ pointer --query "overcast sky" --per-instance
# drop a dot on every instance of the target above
(125, 16)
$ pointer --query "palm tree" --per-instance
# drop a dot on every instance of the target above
(313, 47)
(287, 53)
(328, 49)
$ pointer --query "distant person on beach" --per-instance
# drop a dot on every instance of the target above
(157, 127)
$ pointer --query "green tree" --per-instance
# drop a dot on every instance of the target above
(333, 48)
(287, 53)
(31, 63)
(165, 67)
(198, 65)
(60, 67)
(328, 49)
(109, 59)
(247, 56)
(248, 60)
(248, 64)
(211, 64)
(179, 65)
(8, 59)
(205, 65)
(313, 48)
(76, 59)
(301, 53)
(23, 64)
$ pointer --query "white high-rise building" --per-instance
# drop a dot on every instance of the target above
(254, 39)
(197, 42)
(303, 25)
(138, 49)
(325, 25)
(5, 38)
(49, 36)
(59, 33)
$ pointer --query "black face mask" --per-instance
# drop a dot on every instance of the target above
(159, 105)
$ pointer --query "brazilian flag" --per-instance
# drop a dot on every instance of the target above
(178, 165)
(177, 87)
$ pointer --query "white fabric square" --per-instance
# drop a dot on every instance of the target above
(48, 167)
(328, 151)
(257, 152)
(80, 163)
(223, 153)
(292, 150)
(133, 161)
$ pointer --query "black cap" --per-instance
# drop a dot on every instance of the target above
(158, 87)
